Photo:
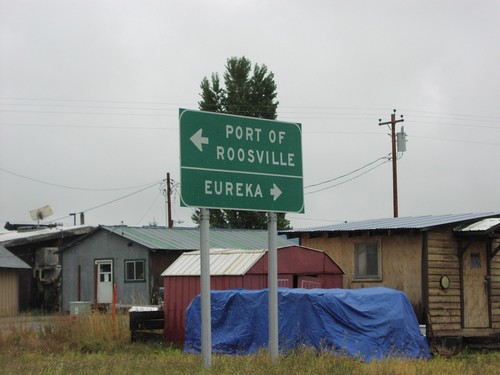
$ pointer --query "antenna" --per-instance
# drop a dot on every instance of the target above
(41, 213)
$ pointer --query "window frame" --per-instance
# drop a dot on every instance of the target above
(368, 277)
(134, 262)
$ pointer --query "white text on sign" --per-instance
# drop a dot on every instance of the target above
(237, 189)
(252, 155)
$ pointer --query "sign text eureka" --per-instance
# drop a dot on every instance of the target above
(237, 162)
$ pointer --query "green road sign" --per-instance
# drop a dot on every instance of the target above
(236, 162)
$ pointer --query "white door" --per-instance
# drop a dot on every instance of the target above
(104, 281)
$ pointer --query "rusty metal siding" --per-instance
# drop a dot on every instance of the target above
(180, 291)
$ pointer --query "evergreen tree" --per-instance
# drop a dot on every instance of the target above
(245, 93)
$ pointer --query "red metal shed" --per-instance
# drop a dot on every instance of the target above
(298, 267)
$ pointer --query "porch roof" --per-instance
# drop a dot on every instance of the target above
(485, 225)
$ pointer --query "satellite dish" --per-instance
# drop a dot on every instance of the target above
(41, 213)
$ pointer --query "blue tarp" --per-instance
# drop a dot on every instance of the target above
(367, 323)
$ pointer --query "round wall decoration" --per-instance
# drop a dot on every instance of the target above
(444, 282)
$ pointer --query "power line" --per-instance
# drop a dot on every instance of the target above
(119, 127)
(174, 113)
(456, 140)
(454, 115)
(347, 174)
(70, 187)
(120, 198)
(350, 179)
(109, 202)
(90, 101)
(435, 123)
(289, 109)
(91, 106)
(150, 207)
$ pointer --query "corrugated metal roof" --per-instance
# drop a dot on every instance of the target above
(222, 262)
(13, 238)
(410, 222)
(9, 260)
(481, 226)
(189, 238)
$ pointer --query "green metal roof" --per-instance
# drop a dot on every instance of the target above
(189, 238)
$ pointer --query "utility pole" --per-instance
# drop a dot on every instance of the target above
(168, 194)
(392, 124)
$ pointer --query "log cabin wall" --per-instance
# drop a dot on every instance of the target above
(444, 304)
(495, 285)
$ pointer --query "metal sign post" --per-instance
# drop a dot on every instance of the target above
(273, 284)
(206, 319)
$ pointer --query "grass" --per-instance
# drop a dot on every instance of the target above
(98, 345)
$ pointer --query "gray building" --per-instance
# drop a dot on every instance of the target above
(132, 259)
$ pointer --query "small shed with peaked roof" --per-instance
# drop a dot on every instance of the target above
(298, 267)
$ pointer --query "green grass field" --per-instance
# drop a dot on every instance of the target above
(97, 345)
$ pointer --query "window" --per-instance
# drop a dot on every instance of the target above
(134, 270)
(475, 260)
(367, 261)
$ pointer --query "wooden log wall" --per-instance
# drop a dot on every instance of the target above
(495, 287)
(445, 313)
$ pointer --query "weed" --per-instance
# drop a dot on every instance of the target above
(97, 344)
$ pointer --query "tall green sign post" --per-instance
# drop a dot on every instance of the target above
(240, 163)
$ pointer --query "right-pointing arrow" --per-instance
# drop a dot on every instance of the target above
(275, 192)
(199, 140)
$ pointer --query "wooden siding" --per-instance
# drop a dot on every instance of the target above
(9, 291)
(445, 312)
(401, 261)
(495, 287)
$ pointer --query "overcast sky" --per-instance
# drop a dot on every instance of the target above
(90, 92)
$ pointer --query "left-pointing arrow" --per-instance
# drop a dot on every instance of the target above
(275, 192)
(199, 140)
